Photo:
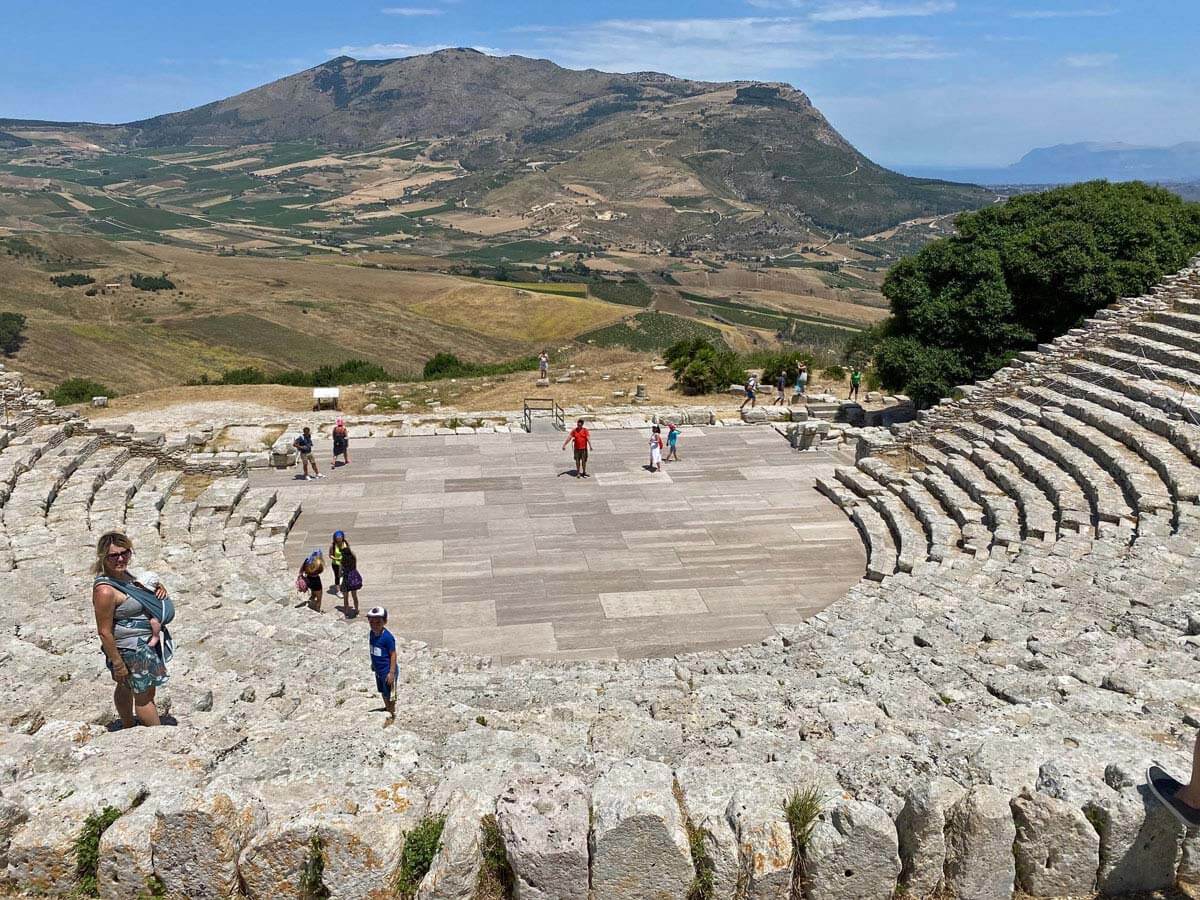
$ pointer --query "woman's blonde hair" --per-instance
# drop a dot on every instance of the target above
(107, 541)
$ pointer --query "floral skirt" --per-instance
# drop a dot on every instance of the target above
(146, 668)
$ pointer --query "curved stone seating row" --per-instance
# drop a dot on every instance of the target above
(972, 727)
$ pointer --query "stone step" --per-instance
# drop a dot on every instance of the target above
(1170, 448)
(942, 534)
(1036, 511)
(1157, 351)
(1157, 330)
(877, 538)
(1075, 511)
(912, 546)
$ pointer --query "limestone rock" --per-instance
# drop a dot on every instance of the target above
(979, 840)
(706, 792)
(126, 866)
(920, 828)
(196, 840)
(764, 839)
(1057, 850)
(360, 854)
(455, 868)
(1139, 841)
(544, 820)
(853, 854)
(640, 846)
(12, 815)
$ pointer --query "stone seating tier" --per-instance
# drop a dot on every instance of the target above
(973, 718)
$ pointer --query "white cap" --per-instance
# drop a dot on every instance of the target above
(377, 612)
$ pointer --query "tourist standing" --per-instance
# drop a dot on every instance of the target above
(123, 608)
(304, 446)
(351, 582)
(383, 657)
(310, 575)
(583, 443)
(751, 392)
(781, 387)
(544, 366)
(341, 444)
(802, 379)
(338, 545)
(656, 448)
(855, 381)
(672, 442)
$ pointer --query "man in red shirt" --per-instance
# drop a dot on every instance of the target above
(579, 436)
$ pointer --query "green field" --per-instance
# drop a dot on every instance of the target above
(650, 331)
(515, 251)
(627, 293)
(762, 317)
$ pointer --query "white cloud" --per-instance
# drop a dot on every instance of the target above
(411, 11)
(849, 12)
(1092, 13)
(1089, 60)
(750, 47)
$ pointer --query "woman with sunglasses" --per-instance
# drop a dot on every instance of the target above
(123, 608)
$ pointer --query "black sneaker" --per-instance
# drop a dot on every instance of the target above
(1164, 787)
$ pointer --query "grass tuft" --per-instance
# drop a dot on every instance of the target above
(496, 880)
(420, 846)
(802, 810)
(87, 849)
(312, 885)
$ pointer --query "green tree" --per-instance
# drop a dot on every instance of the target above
(1019, 273)
(12, 327)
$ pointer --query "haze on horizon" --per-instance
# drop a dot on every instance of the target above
(909, 82)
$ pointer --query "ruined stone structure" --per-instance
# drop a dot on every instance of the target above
(973, 717)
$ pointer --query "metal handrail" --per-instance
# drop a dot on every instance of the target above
(543, 404)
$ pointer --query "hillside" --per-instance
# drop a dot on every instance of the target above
(747, 162)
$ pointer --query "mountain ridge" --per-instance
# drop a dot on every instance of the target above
(1084, 161)
(524, 130)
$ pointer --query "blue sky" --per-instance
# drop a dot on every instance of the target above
(960, 82)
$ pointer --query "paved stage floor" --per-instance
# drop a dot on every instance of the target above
(488, 543)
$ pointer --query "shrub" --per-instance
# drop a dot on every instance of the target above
(87, 849)
(420, 846)
(12, 327)
(700, 367)
(152, 282)
(833, 373)
(447, 365)
(79, 390)
(74, 279)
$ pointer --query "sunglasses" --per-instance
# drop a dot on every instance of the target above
(120, 554)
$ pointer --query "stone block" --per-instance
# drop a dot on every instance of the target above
(455, 869)
(197, 838)
(640, 845)
(1139, 841)
(544, 820)
(706, 792)
(764, 839)
(853, 854)
(1057, 850)
(979, 841)
(126, 866)
(360, 854)
(921, 828)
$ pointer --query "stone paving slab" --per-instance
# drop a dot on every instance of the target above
(489, 544)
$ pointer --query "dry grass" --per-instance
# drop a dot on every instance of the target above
(517, 315)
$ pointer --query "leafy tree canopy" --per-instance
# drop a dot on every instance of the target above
(1023, 272)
